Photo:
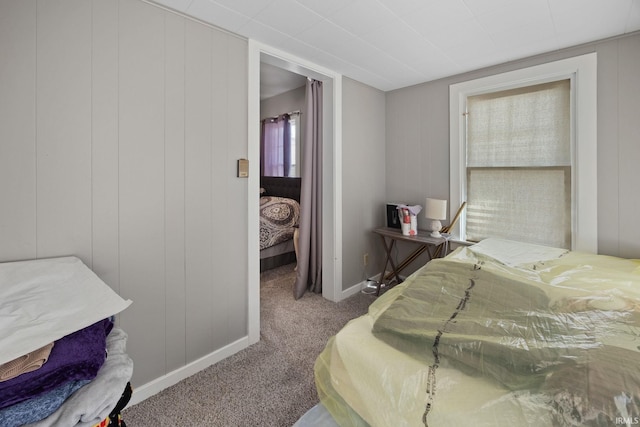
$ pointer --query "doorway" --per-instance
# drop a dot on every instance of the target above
(332, 176)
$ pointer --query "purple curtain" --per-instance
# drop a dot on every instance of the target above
(309, 273)
(275, 147)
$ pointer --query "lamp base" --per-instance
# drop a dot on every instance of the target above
(435, 228)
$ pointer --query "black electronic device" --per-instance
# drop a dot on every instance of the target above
(393, 219)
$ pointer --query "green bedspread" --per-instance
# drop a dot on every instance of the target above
(567, 327)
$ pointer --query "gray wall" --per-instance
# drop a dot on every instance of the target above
(417, 150)
(292, 100)
(363, 179)
(109, 152)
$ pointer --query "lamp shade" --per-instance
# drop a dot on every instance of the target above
(435, 209)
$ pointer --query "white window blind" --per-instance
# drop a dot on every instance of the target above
(295, 145)
(518, 164)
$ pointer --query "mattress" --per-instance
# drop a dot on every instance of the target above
(365, 382)
(486, 360)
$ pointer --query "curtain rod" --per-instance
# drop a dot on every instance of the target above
(291, 113)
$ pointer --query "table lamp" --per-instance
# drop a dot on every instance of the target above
(435, 210)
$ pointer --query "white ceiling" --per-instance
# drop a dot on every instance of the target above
(389, 44)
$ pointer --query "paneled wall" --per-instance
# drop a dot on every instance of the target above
(417, 134)
(120, 126)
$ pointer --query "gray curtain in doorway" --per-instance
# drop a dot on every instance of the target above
(309, 275)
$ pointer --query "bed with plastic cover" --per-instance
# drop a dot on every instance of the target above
(496, 334)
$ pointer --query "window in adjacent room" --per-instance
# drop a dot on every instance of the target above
(295, 137)
(523, 155)
(280, 149)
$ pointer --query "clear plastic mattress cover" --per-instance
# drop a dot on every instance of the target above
(498, 334)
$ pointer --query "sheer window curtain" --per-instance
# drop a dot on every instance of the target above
(309, 273)
(275, 149)
(519, 165)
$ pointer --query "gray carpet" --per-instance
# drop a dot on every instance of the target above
(268, 384)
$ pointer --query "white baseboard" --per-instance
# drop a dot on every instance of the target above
(353, 290)
(360, 286)
(156, 386)
(357, 287)
(377, 277)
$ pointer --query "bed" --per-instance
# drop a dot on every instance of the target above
(496, 334)
(279, 215)
(63, 360)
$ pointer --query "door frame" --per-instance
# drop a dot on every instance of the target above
(331, 173)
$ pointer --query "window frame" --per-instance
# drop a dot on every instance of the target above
(582, 72)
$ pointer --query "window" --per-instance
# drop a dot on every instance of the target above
(518, 169)
(295, 152)
(279, 151)
(523, 155)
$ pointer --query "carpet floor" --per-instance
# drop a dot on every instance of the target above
(270, 383)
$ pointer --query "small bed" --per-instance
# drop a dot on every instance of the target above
(279, 215)
(496, 334)
(63, 361)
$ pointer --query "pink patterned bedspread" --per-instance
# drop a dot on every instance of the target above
(278, 218)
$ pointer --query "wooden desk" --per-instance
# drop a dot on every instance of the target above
(425, 243)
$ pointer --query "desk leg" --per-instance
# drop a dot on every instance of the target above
(408, 260)
(389, 260)
(394, 269)
(442, 250)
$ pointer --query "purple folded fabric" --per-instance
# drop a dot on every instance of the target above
(77, 356)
